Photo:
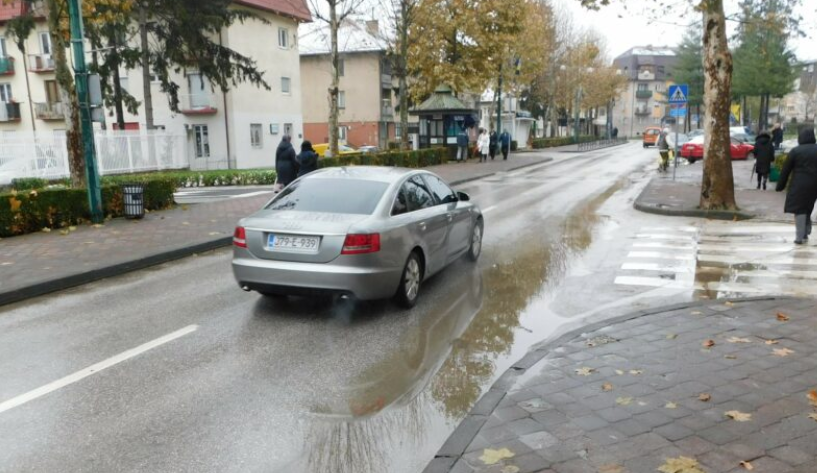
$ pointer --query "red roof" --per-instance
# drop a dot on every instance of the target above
(294, 8)
(10, 10)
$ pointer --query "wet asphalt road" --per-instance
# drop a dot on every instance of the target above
(247, 384)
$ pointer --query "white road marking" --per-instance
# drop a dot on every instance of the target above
(690, 269)
(664, 246)
(93, 369)
(652, 282)
(659, 255)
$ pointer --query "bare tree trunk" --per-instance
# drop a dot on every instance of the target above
(28, 92)
(402, 71)
(717, 186)
(146, 87)
(68, 97)
(117, 91)
(333, 90)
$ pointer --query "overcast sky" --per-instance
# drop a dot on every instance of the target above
(635, 26)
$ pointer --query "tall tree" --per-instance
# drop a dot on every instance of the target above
(20, 28)
(401, 15)
(689, 68)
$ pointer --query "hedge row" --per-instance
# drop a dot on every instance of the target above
(406, 159)
(34, 210)
(540, 143)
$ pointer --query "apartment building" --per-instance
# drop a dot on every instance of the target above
(366, 99)
(801, 105)
(240, 128)
(643, 103)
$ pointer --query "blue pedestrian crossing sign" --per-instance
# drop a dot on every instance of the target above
(678, 93)
(678, 110)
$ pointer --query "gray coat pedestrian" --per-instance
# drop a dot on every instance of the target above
(802, 162)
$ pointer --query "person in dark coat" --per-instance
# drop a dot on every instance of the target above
(492, 147)
(764, 157)
(505, 144)
(615, 132)
(777, 135)
(462, 145)
(307, 159)
(286, 163)
(802, 161)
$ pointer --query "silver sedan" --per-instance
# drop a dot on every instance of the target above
(366, 232)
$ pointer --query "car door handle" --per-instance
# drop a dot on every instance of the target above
(450, 217)
(422, 226)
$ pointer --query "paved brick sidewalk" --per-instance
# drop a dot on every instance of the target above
(35, 264)
(625, 396)
(681, 196)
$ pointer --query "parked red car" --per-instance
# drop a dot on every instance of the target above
(694, 150)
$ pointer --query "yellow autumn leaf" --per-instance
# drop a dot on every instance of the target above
(15, 203)
(492, 457)
(782, 317)
(705, 397)
(771, 342)
(636, 372)
(72, 228)
(619, 372)
(584, 371)
(671, 405)
(680, 465)
(812, 397)
(782, 352)
(696, 312)
(812, 416)
(46, 230)
(510, 469)
(728, 304)
(606, 387)
(738, 416)
(747, 465)
(672, 336)
(708, 343)
(624, 401)
(611, 468)
(738, 340)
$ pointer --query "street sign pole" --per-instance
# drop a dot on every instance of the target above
(678, 95)
(86, 126)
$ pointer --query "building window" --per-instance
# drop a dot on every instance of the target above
(202, 141)
(283, 38)
(3, 52)
(642, 86)
(256, 134)
(154, 77)
(343, 133)
(341, 99)
(285, 83)
(5, 93)
(341, 67)
(45, 43)
(660, 69)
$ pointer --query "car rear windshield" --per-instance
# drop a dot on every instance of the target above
(342, 196)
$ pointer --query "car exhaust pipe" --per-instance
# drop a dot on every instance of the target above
(245, 288)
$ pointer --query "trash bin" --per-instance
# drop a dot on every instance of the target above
(133, 200)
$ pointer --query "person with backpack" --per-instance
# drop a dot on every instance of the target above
(764, 157)
(663, 149)
(286, 163)
(505, 144)
(307, 159)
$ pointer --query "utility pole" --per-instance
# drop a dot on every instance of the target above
(576, 115)
(83, 96)
(499, 103)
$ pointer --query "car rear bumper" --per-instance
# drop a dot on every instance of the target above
(291, 278)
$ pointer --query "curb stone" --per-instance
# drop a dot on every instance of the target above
(448, 455)
(660, 209)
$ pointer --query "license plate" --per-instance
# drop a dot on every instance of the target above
(293, 243)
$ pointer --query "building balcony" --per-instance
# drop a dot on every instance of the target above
(40, 63)
(51, 111)
(643, 111)
(6, 66)
(643, 94)
(197, 104)
(9, 112)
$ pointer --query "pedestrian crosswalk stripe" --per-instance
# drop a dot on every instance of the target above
(721, 259)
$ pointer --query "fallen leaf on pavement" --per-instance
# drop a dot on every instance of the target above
(728, 304)
(812, 416)
(611, 468)
(680, 465)
(636, 372)
(72, 228)
(696, 312)
(782, 317)
(642, 403)
(672, 336)
(47, 230)
(708, 343)
(183, 223)
(510, 469)
(98, 225)
(606, 387)
(730, 357)
(738, 416)
(492, 457)
(782, 352)
(738, 340)
(184, 207)
(624, 401)
(746, 465)
(214, 233)
(671, 405)
(64, 232)
(584, 371)
(705, 397)
(619, 372)
(812, 397)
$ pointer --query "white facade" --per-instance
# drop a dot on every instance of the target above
(515, 121)
(237, 129)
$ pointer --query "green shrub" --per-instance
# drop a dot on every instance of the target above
(227, 177)
(514, 145)
(28, 183)
(540, 143)
(408, 159)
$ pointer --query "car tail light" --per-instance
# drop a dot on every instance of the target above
(240, 237)
(360, 244)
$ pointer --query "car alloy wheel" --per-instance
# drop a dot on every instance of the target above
(410, 283)
(476, 242)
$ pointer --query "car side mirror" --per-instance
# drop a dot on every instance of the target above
(463, 196)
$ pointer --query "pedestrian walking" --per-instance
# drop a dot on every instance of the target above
(286, 163)
(802, 161)
(492, 147)
(764, 157)
(777, 135)
(505, 144)
(615, 132)
(462, 145)
(307, 159)
(484, 145)
(663, 150)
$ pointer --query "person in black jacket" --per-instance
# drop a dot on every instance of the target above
(286, 164)
(802, 161)
(764, 157)
(308, 159)
(492, 147)
(777, 135)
